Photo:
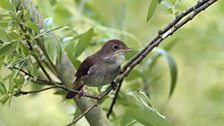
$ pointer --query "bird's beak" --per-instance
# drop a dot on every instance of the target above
(128, 49)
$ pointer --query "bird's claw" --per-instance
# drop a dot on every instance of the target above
(113, 85)
(81, 93)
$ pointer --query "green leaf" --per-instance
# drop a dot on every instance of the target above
(76, 63)
(4, 35)
(139, 98)
(147, 116)
(19, 81)
(69, 48)
(60, 92)
(61, 13)
(2, 88)
(5, 99)
(84, 41)
(44, 6)
(126, 119)
(172, 67)
(135, 74)
(51, 48)
(140, 109)
(152, 8)
(32, 69)
(5, 49)
(33, 26)
(4, 4)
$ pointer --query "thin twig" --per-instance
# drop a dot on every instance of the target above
(114, 100)
(53, 83)
(181, 15)
(24, 30)
(35, 57)
(16, 68)
(20, 92)
(104, 94)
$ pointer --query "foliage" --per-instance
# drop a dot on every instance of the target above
(81, 28)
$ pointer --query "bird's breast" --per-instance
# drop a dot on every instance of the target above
(104, 74)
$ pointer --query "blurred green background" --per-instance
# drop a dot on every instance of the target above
(197, 48)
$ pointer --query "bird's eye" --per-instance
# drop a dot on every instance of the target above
(115, 47)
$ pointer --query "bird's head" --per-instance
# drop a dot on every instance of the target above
(114, 51)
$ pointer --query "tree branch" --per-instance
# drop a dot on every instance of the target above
(114, 100)
(103, 95)
(162, 34)
(90, 109)
(168, 30)
(20, 92)
(52, 83)
(35, 57)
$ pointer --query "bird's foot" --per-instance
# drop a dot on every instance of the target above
(113, 85)
(81, 93)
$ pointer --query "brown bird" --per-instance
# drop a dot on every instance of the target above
(100, 68)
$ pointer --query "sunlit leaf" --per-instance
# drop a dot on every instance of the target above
(172, 67)
(32, 69)
(76, 63)
(140, 109)
(51, 48)
(19, 81)
(4, 35)
(84, 41)
(44, 6)
(61, 13)
(140, 98)
(152, 8)
(4, 4)
(5, 99)
(126, 120)
(33, 26)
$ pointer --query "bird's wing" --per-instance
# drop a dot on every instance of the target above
(88, 66)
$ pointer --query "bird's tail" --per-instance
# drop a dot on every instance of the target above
(77, 86)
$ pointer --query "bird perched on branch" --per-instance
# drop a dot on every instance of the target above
(100, 68)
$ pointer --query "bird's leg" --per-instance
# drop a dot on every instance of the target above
(81, 92)
(113, 85)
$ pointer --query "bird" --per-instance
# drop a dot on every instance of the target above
(100, 68)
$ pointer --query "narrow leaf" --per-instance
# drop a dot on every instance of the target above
(19, 81)
(32, 69)
(139, 108)
(152, 8)
(4, 35)
(148, 117)
(84, 40)
(2, 88)
(4, 49)
(5, 99)
(51, 48)
(33, 26)
(45, 8)
(172, 67)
